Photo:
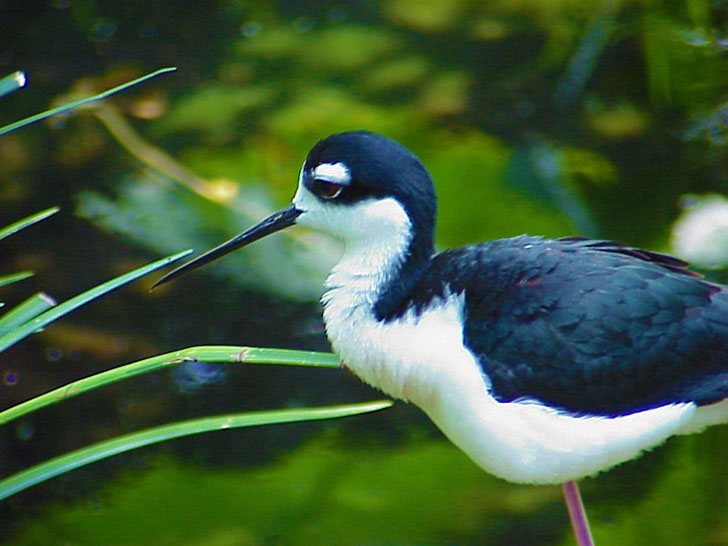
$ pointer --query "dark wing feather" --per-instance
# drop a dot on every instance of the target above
(590, 327)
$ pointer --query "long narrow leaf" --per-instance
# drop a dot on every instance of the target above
(75, 104)
(25, 222)
(108, 448)
(12, 82)
(67, 306)
(15, 277)
(218, 353)
(22, 313)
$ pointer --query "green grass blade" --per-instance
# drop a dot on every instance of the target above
(28, 310)
(67, 306)
(15, 277)
(12, 82)
(25, 222)
(290, 357)
(75, 104)
(109, 448)
(215, 353)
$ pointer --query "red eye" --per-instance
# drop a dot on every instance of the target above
(326, 190)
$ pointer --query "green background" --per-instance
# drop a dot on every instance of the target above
(553, 117)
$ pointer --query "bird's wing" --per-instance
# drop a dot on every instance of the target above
(591, 327)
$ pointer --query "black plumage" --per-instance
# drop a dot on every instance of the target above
(588, 327)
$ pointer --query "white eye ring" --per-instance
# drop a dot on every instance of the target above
(325, 189)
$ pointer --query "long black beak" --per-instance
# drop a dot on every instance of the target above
(275, 222)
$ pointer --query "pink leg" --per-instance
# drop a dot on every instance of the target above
(577, 515)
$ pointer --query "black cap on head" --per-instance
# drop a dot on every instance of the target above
(379, 167)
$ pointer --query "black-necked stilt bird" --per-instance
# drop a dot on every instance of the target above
(544, 360)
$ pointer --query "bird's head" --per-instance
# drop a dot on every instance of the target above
(361, 187)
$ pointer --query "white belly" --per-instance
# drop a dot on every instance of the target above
(423, 359)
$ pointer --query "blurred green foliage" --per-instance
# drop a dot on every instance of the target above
(553, 117)
(424, 492)
(325, 493)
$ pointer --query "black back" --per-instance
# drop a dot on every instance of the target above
(589, 327)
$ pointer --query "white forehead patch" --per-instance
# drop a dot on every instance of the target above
(336, 173)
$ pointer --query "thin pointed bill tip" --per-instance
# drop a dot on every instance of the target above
(275, 222)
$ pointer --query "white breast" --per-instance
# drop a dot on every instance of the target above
(421, 358)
